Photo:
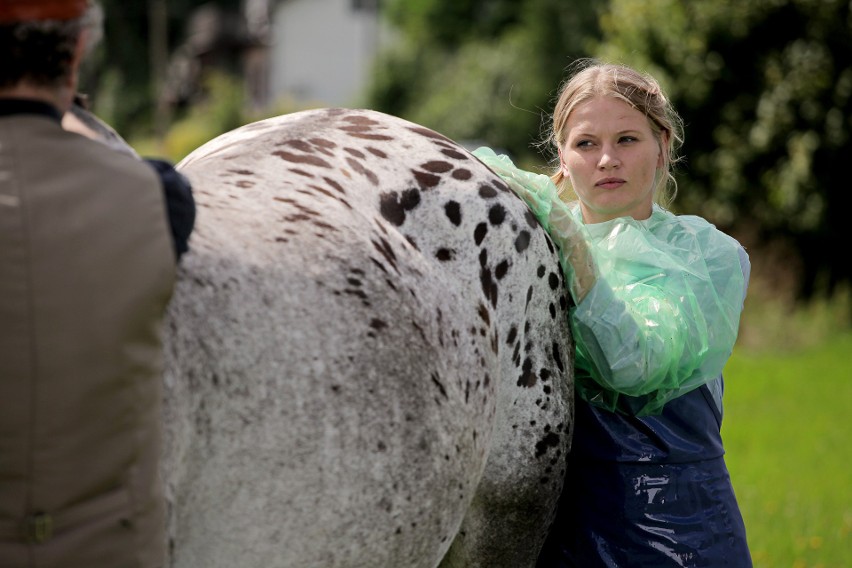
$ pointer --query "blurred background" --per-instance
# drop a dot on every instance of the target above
(765, 91)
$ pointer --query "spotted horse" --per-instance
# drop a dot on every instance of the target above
(367, 358)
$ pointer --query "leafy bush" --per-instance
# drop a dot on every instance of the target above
(223, 109)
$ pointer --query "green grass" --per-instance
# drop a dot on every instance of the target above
(788, 420)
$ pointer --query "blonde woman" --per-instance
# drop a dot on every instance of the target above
(657, 306)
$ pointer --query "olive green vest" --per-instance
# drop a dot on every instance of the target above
(86, 272)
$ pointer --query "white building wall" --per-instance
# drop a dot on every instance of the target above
(322, 51)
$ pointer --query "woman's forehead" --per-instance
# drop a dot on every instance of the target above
(604, 113)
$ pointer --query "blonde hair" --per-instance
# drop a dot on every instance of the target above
(591, 79)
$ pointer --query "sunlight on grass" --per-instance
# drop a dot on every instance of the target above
(786, 432)
(774, 322)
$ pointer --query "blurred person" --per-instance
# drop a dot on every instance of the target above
(657, 301)
(89, 239)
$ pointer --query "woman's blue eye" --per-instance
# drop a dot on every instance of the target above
(628, 139)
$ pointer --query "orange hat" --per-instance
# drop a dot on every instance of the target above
(12, 11)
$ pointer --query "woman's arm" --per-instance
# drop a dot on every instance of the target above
(542, 197)
(655, 317)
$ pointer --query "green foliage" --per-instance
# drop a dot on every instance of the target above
(785, 432)
(222, 110)
(493, 94)
(120, 68)
(774, 321)
(451, 24)
(481, 70)
(765, 89)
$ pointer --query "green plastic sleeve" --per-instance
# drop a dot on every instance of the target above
(657, 301)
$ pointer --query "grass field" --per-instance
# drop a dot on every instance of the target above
(788, 420)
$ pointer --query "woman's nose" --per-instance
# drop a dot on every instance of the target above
(609, 159)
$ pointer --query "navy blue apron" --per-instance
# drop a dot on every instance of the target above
(648, 492)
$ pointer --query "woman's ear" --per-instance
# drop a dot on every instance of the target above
(562, 167)
(664, 149)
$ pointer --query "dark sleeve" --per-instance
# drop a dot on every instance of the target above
(180, 204)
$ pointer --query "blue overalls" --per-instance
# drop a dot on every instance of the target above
(674, 504)
(652, 335)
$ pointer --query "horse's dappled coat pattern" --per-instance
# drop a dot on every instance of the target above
(368, 362)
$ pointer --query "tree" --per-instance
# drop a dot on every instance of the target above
(119, 74)
(765, 90)
(481, 70)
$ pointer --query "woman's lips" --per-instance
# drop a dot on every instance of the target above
(610, 183)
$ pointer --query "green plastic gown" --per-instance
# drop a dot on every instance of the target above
(660, 314)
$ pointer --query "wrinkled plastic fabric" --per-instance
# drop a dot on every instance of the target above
(670, 515)
(658, 300)
(542, 197)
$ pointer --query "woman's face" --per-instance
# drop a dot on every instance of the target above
(611, 157)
